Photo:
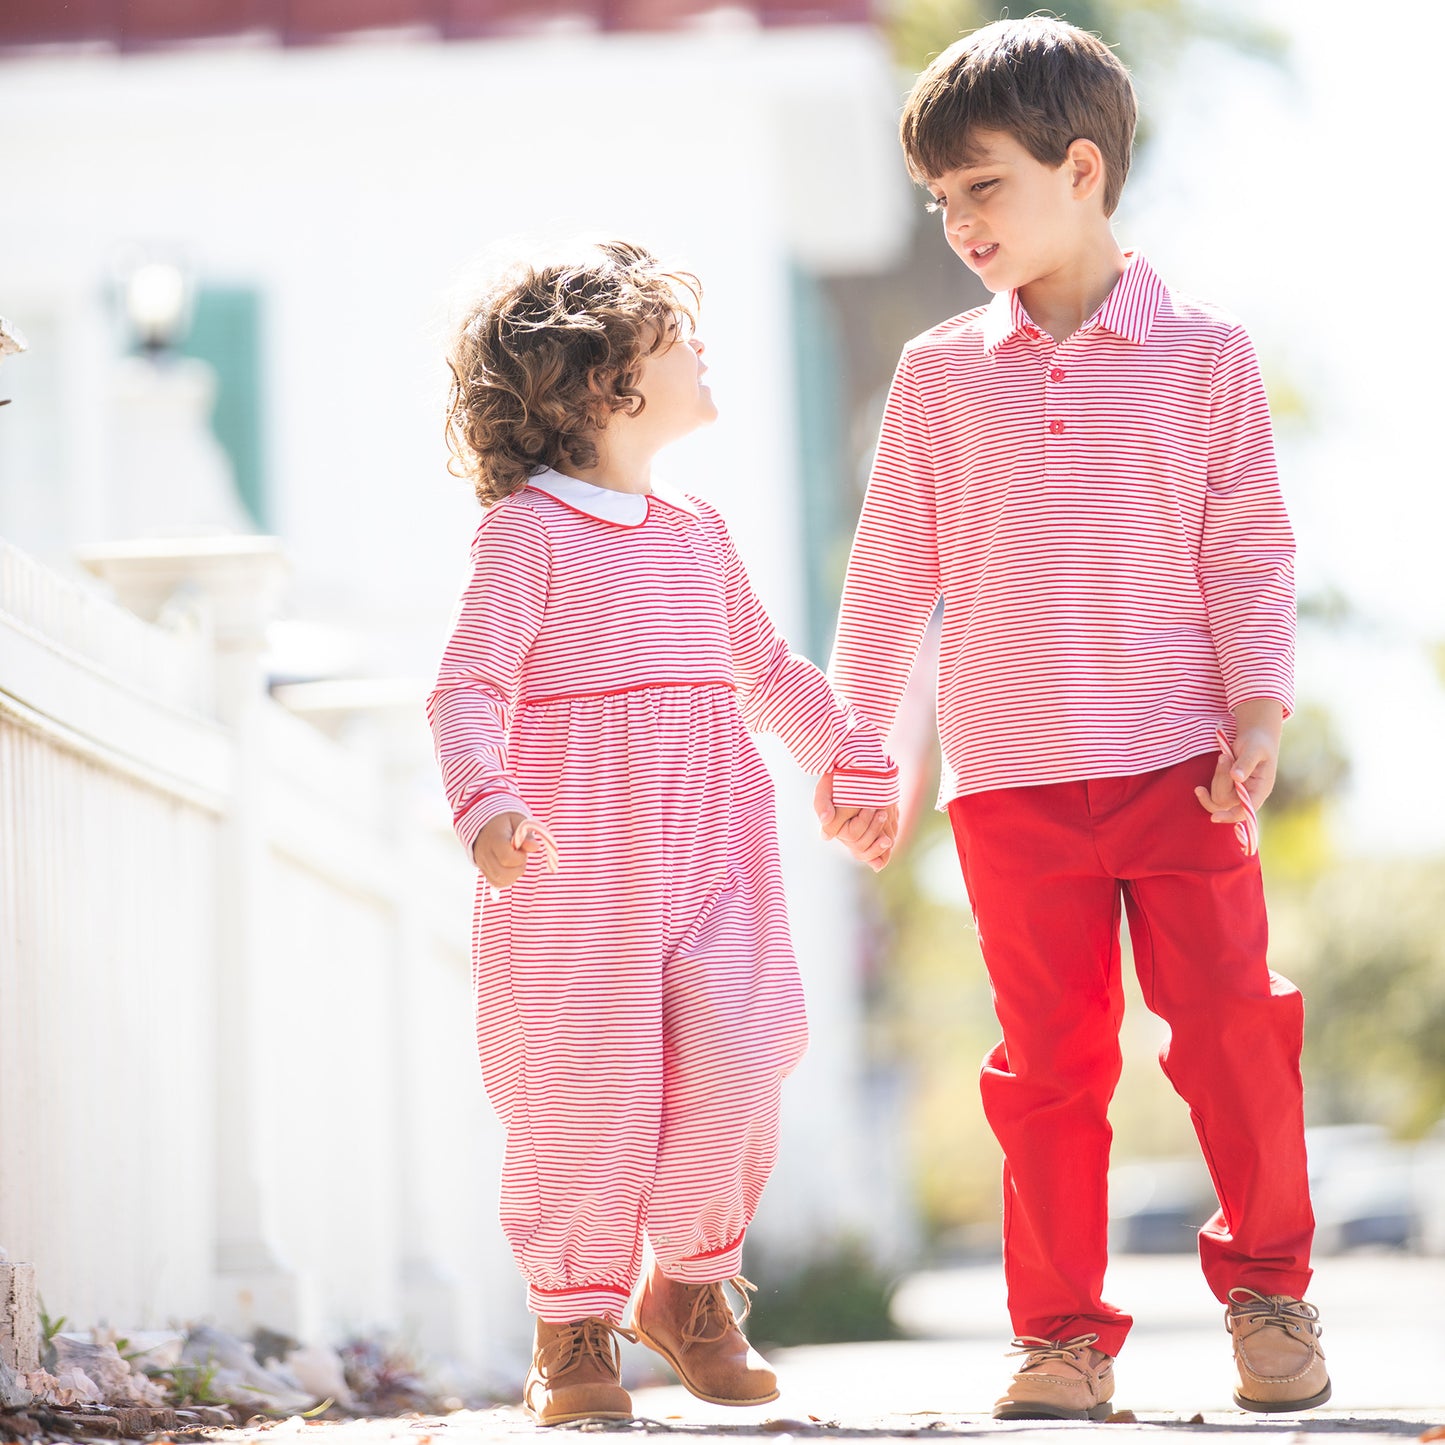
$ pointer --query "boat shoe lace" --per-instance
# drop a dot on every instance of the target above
(1293, 1315)
(575, 1342)
(711, 1306)
(1040, 1351)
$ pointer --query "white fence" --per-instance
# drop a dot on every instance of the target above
(237, 1071)
(237, 1077)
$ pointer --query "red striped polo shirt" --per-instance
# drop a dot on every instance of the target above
(1102, 521)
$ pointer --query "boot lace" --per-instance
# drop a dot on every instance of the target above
(1038, 1350)
(711, 1304)
(574, 1342)
(1288, 1314)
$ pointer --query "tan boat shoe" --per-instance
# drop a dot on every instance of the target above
(576, 1373)
(692, 1327)
(1059, 1380)
(1277, 1348)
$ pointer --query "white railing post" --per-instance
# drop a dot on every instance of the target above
(386, 717)
(233, 586)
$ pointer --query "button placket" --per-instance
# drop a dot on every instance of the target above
(1057, 425)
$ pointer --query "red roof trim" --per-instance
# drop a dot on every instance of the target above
(150, 24)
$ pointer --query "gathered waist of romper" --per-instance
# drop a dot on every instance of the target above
(665, 685)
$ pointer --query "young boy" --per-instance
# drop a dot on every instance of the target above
(1083, 471)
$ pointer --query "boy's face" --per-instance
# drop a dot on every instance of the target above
(1011, 218)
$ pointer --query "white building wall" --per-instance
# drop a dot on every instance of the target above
(361, 187)
(358, 187)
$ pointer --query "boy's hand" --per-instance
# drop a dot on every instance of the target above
(496, 852)
(1256, 756)
(867, 833)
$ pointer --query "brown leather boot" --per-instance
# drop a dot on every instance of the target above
(1277, 1349)
(576, 1373)
(692, 1327)
(1059, 1380)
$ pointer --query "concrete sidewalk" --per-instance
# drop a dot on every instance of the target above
(1385, 1339)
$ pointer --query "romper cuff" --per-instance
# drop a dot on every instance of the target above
(470, 822)
(865, 788)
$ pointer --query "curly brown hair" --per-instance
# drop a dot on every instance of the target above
(544, 359)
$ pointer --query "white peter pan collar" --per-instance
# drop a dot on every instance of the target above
(622, 509)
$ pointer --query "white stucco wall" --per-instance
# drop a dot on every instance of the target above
(360, 188)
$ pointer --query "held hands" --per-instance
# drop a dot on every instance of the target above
(1256, 756)
(867, 833)
(504, 845)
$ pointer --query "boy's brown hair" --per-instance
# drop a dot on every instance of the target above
(1044, 82)
(544, 359)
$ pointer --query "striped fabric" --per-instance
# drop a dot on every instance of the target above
(638, 1010)
(1103, 523)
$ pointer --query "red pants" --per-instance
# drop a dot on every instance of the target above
(1047, 869)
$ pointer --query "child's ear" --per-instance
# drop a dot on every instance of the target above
(1086, 173)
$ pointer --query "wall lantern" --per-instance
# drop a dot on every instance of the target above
(157, 302)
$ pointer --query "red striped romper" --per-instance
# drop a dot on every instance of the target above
(638, 1010)
(1102, 522)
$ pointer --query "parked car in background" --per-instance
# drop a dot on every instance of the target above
(1364, 1188)
(1370, 1191)
(1430, 1190)
(1157, 1205)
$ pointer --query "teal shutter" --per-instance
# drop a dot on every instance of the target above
(226, 331)
(823, 466)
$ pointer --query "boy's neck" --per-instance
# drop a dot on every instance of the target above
(1063, 299)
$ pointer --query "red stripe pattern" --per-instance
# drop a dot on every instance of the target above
(1103, 523)
(638, 1010)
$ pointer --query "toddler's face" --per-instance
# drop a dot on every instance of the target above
(678, 400)
(1010, 218)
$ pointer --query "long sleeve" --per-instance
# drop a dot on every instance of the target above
(892, 584)
(1246, 555)
(783, 693)
(470, 707)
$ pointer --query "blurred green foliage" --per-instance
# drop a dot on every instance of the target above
(835, 1297)
(1366, 944)
(934, 1014)
(1149, 34)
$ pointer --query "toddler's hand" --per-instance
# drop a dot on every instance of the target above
(504, 845)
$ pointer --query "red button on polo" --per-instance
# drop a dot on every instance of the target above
(1057, 374)
(1057, 427)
